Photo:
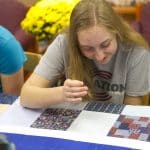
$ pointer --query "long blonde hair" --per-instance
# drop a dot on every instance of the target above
(88, 13)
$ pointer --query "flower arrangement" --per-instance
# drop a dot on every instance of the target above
(48, 17)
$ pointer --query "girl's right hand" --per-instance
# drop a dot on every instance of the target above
(74, 90)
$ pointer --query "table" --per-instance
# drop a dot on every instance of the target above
(5, 101)
(88, 128)
(3, 108)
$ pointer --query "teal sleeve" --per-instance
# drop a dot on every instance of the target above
(12, 56)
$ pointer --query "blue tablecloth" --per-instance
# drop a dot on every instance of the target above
(7, 98)
(30, 142)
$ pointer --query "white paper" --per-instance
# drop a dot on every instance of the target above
(143, 111)
(16, 115)
(93, 123)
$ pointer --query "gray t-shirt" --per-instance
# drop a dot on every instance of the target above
(126, 73)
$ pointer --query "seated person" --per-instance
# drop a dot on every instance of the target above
(12, 59)
(101, 57)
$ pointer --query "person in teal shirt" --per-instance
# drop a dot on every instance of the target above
(12, 58)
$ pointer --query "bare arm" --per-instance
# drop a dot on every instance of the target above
(12, 84)
(130, 100)
(37, 93)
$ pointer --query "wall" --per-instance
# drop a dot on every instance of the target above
(28, 2)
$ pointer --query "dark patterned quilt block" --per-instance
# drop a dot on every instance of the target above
(56, 119)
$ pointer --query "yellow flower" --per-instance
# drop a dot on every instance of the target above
(48, 17)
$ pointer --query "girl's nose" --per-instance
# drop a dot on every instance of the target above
(99, 55)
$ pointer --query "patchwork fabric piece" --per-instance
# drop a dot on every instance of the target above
(106, 107)
(56, 119)
(7, 98)
(132, 127)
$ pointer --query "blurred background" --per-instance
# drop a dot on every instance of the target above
(35, 23)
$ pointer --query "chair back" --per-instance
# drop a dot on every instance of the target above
(12, 12)
(145, 21)
(32, 60)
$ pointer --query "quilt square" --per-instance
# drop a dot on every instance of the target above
(106, 107)
(56, 119)
(133, 127)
